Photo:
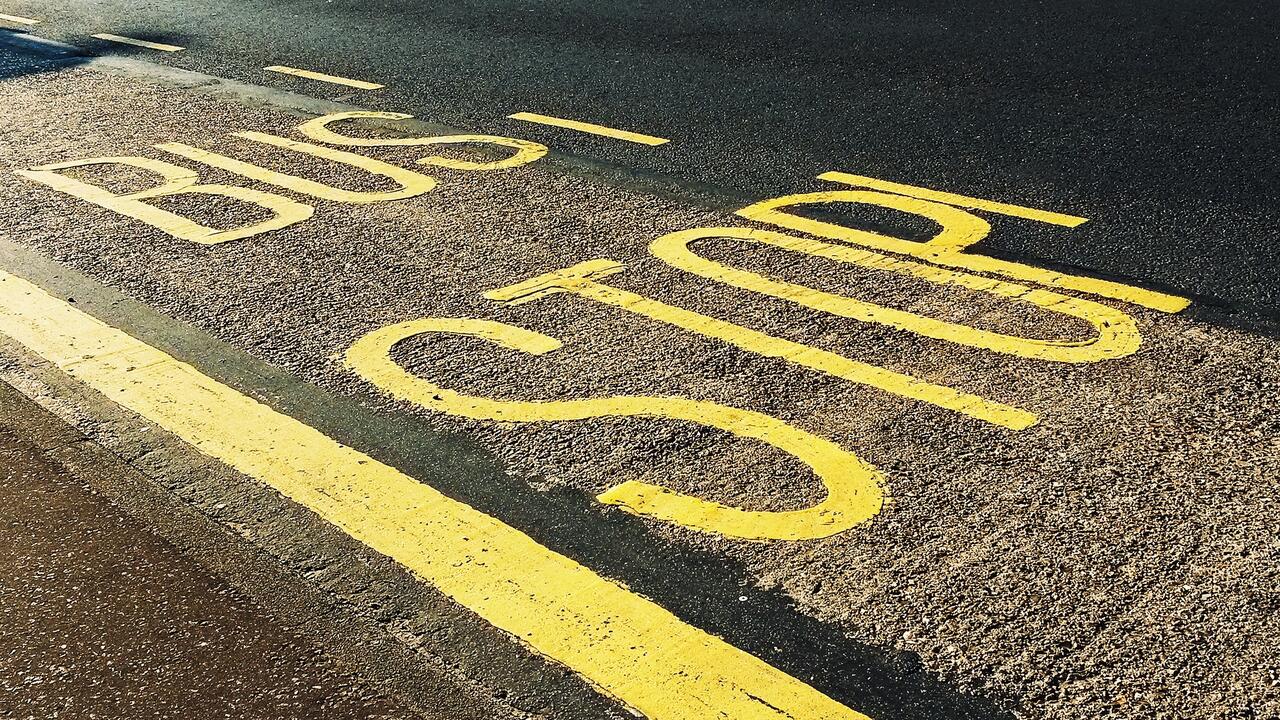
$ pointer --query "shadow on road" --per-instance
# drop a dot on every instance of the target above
(22, 54)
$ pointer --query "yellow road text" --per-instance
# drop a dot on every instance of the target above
(1116, 333)
(853, 488)
(583, 280)
(959, 229)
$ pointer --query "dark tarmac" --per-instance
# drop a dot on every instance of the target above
(103, 619)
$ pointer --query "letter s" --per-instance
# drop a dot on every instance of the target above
(854, 488)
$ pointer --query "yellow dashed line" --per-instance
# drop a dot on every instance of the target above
(626, 646)
(19, 19)
(139, 43)
(590, 128)
(361, 84)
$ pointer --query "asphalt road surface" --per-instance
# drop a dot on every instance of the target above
(1154, 117)
(520, 417)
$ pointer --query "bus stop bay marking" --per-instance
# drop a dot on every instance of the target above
(594, 129)
(324, 77)
(854, 495)
(18, 19)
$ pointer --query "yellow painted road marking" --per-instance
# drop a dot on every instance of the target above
(139, 43)
(590, 128)
(526, 151)
(853, 487)
(1116, 332)
(19, 19)
(627, 646)
(1000, 208)
(959, 230)
(177, 180)
(582, 280)
(411, 184)
(311, 75)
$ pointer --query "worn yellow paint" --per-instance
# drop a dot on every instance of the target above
(411, 183)
(581, 279)
(959, 230)
(526, 151)
(19, 19)
(177, 181)
(853, 487)
(1044, 216)
(625, 645)
(592, 128)
(323, 77)
(1116, 333)
(139, 43)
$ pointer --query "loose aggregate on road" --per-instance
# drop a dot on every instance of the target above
(1117, 558)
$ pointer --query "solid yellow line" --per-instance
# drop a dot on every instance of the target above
(625, 645)
(1027, 213)
(19, 19)
(590, 128)
(139, 43)
(310, 75)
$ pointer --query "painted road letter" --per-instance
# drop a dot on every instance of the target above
(177, 181)
(1116, 334)
(853, 487)
(526, 151)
